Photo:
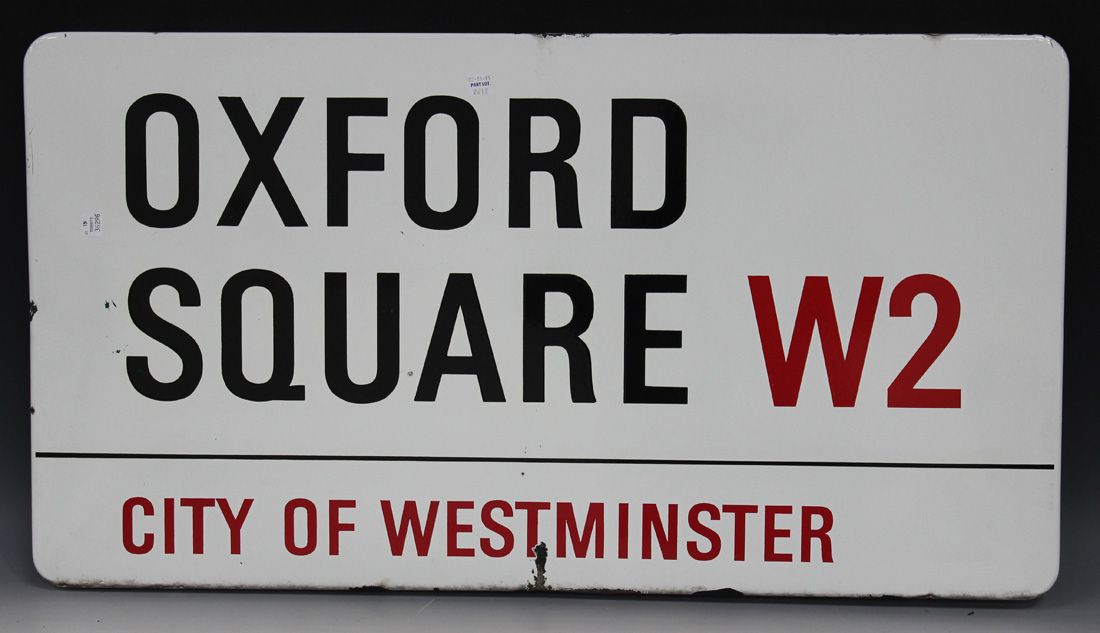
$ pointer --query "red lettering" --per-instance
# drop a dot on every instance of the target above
(128, 525)
(532, 508)
(334, 524)
(169, 526)
(785, 369)
(624, 529)
(820, 533)
(771, 533)
(454, 528)
(311, 526)
(704, 531)
(234, 522)
(903, 392)
(410, 516)
(739, 512)
(198, 514)
(652, 526)
(567, 525)
(491, 524)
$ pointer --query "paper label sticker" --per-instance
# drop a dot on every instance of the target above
(91, 225)
(480, 85)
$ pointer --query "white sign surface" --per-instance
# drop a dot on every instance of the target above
(777, 314)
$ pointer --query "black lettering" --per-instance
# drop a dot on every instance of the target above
(466, 200)
(171, 336)
(336, 339)
(261, 168)
(460, 294)
(278, 386)
(637, 339)
(137, 165)
(522, 161)
(623, 213)
(340, 160)
(537, 337)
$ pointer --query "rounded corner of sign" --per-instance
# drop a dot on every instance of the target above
(40, 42)
(45, 568)
(1053, 47)
(1042, 583)
(1046, 582)
(1053, 43)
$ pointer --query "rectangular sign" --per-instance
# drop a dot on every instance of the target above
(776, 314)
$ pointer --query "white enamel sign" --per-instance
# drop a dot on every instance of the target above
(776, 314)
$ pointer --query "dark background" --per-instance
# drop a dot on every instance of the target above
(29, 603)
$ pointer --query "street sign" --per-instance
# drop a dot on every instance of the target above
(652, 313)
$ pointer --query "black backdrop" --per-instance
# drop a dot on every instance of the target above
(1067, 22)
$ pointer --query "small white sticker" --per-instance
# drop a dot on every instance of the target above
(480, 85)
(91, 224)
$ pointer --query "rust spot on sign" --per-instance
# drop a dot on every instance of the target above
(540, 569)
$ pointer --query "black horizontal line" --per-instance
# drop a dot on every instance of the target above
(540, 460)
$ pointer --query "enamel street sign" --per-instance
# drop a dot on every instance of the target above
(776, 314)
